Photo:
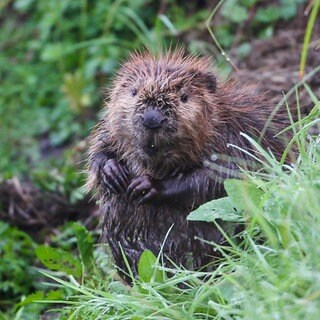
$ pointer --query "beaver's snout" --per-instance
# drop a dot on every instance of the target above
(153, 119)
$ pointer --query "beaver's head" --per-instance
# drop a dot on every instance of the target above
(160, 107)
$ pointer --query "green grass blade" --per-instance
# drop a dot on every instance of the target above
(307, 36)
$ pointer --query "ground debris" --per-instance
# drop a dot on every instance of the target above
(24, 205)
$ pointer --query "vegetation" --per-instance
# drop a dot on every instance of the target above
(17, 276)
(55, 59)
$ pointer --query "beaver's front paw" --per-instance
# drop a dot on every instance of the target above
(114, 175)
(144, 189)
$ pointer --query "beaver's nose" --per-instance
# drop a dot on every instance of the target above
(153, 119)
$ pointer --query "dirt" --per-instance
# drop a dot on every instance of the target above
(39, 212)
(273, 64)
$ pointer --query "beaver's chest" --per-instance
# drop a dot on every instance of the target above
(131, 229)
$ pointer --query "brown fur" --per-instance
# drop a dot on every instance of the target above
(192, 152)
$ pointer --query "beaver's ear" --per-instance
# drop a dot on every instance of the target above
(207, 80)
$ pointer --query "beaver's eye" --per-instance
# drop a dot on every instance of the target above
(134, 92)
(184, 98)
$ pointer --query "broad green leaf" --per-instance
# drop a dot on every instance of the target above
(146, 268)
(243, 194)
(223, 209)
(57, 259)
(85, 245)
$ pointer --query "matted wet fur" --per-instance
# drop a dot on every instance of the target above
(162, 149)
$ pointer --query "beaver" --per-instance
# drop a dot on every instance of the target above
(162, 149)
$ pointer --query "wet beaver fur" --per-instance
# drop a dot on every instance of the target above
(162, 149)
